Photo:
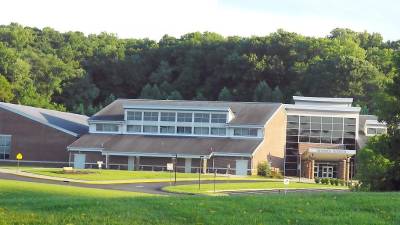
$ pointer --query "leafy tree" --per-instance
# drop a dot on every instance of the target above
(263, 93)
(225, 95)
(175, 95)
(277, 95)
(6, 94)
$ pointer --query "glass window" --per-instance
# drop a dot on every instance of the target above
(292, 132)
(316, 126)
(326, 126)
(305, 126)
(326, 140)
(184, 130)
(350, 127)
(351, 141)
(167, 129)
(315, 139)
(316, 133)
(167, 116)
(337, 127)
(292, 118)
(305, 132)
(218, 131)
(315, 119)
(5, 146)
(104, 127)
(337, 134)
(349, 134)
(350, 121)
(326, 119)
(292, 138)
(132, 115)
(134, 128)
(218, 118)
(305, 119)
(150, 129)
(248, 132)
(371, 131)
(150, 116)
(292, 125)
(202, 130)
(381, 131)
(304, 139)
(202, 117)
(337, 120)
(184, 117)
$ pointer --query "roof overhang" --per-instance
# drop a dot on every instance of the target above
(324, 154)
(318, 108)
(171, 107)
(323, 99)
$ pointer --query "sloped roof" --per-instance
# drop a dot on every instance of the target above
(71, 123)
(246, 113)
(166, 144)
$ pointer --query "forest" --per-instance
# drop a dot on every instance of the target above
(82, 73)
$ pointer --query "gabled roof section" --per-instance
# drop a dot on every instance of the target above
(246, 113)
(70, 123)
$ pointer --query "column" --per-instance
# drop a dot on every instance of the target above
(137, 163)
(204, 165)
(312, 164)
(341, 173)
(347, 172)
(107, 158)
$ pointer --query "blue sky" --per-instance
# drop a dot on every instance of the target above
(154, 18)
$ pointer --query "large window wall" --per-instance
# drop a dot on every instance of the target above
(340, 131)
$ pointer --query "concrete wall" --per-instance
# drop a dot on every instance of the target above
(36, 141)
(272, 148)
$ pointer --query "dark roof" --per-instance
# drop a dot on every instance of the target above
(246, 113)
(166, 144)
(68, 122)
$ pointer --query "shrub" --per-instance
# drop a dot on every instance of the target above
(324, 180)
(317, 180)
(263, 169)
(276, 174)
(341, 182)
(331, 181)
(336, 182)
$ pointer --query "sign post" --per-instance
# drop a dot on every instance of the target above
(286, 182)
(18, 157)
(170, 168)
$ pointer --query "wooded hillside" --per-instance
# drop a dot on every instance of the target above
(78, 73)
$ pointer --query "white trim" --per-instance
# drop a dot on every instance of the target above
(323, 108)
(161, 155)
(323, 99)
(106, 121)
(231, 154)
(190, 108)
(37, 120)
(85, 149)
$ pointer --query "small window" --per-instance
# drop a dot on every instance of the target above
(150, 129)
(150, 116)
(337, 120)
(185, 117)
(218, 131)
(168, 116)
(380, 131)
(202, 130)
(132, 115)
(218, 118)
(134, 128)
(104, 127)
(201, 117)
(5, 146)
(167, 129)
(184, 130)
(351, 121)
(292, 118)
(247, 132)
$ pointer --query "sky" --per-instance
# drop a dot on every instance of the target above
(155, 18)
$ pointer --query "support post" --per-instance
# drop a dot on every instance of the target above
(107, 158)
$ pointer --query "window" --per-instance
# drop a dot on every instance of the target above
(150, 129)
(292, 118)
(184, 117)
(5, 146)
(132, 115)
(150, 116)
(201, 130)
(248, 132)
(201, 117)
(218, 131)
(167, 129)
(168, 116)
(104, 127)
(218, 118)
(134, 128)
(184, 130)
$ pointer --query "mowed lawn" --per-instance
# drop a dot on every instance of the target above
(209, 188)
(30, 203)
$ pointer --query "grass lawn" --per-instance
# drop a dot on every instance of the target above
(112, 175)
(209, 188)
(32, 204)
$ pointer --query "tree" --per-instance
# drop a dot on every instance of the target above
(263, 92)
(225, 95)
(277, 95)
(6, 94)
(151, 92)
(175, 95)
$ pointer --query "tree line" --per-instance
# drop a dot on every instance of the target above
(82, 73)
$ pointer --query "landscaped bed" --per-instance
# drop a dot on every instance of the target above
(32, 204)
(220, 187)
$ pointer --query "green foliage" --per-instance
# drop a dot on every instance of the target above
(263, 169)
(317, 180)
(79, 73)
(6, 94)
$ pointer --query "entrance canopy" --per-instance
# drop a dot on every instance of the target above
(325, 154)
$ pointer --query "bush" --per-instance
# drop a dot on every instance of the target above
(263, 169)
(336, 182)
(317, 180)
(331, 181)
(276, 175)
(341, 182)
(324, 180)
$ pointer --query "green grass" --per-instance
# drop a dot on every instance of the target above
(115, 175)
(32, 204)
(209, 188)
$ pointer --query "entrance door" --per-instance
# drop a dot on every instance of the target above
(131, 163)
(188, 165)
(327, 171)
(79, 161)
(241, 167)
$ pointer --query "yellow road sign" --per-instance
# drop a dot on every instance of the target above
(19, 156)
